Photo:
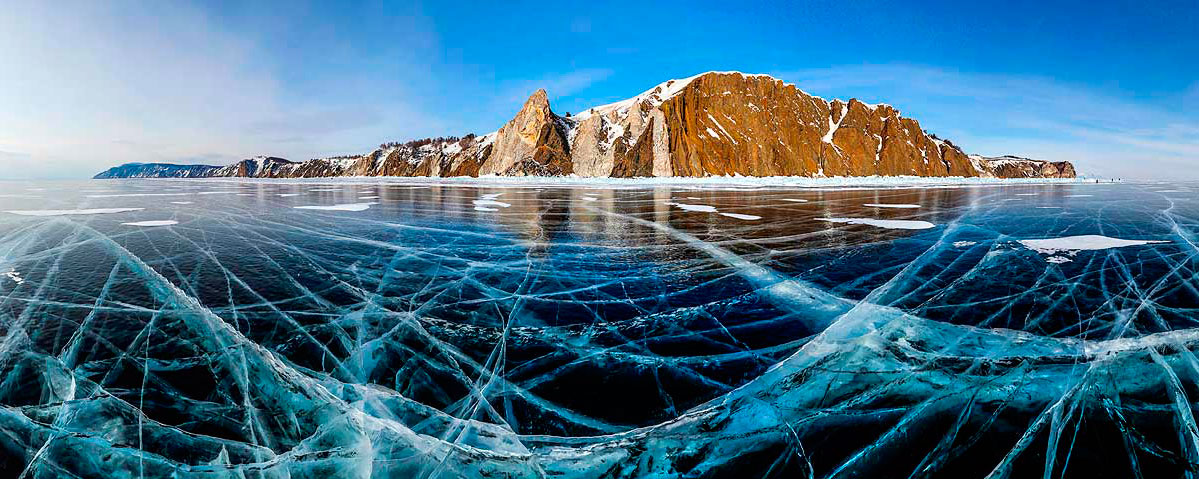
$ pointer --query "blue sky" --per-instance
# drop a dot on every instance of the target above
(1113, 87)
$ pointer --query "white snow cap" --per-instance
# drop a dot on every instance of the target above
(657, 95)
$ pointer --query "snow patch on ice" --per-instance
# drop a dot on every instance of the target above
(342, 207)
(741, 216)
(152, 223)
(964, 244)
(891, 205)
(13, 275)
(696, 208)
(1074, 244)
(489, 203)
(888, 224)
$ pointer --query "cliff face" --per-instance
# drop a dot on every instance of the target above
(259, 167)
(755, 125)
(707, 125)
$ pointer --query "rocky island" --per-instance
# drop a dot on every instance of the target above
(712, 124)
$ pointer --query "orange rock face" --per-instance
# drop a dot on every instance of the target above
(754, 125)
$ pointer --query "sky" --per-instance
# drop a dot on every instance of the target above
(1113, 87)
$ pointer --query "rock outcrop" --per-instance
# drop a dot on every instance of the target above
(532, 144)
(259, 167)
(713, 124)
(1017, 167)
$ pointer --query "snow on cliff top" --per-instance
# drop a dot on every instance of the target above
(669, 88)
(656, 95)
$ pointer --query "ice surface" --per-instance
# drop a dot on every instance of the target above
(621, 337)
(339, 207)
(891, 205)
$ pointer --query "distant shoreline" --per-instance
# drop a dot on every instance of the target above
(729, 181)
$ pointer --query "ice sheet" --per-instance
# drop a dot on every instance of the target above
(560, 337)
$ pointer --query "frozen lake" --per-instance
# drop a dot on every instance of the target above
(350, 329)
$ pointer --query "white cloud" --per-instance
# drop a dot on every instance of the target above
(102, 83)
